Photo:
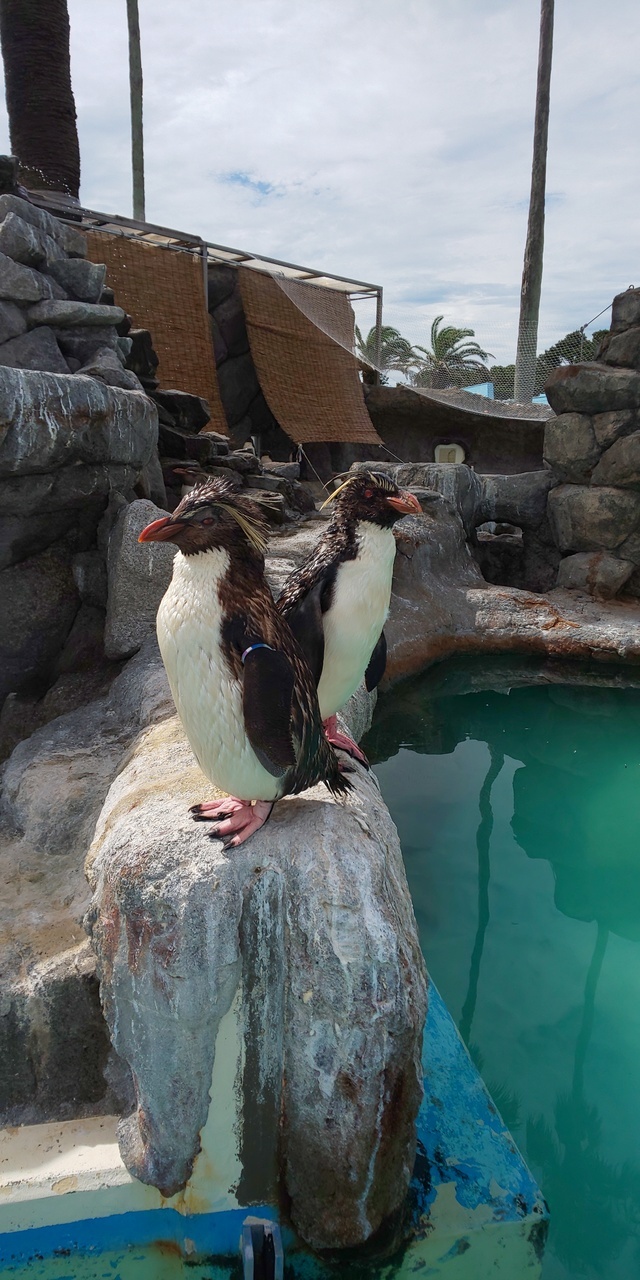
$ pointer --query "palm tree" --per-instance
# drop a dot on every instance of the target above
(533, 252)
(396, 352)
(452, 361)
(34, 37)
(135, 89)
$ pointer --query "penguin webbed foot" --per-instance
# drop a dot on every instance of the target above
(342, 741)
(235, 820)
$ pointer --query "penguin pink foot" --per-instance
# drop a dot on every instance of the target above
(342, 740)
(233, 818)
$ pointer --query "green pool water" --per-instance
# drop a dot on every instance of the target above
(519, 816)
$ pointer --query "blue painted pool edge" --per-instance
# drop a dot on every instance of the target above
(461, 1140)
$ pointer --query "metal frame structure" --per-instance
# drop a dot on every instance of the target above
(115, 224)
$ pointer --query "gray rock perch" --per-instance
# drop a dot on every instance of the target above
(306, 940)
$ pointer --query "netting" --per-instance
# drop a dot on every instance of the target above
(163, 291)
(301, 340)
(411, 357)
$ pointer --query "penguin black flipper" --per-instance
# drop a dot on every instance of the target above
(377, 664)
(267, 693)
(306, 623)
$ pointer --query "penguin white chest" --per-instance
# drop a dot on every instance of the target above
(207, 697)
(356, 616)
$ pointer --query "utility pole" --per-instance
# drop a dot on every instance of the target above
(534, 247)
(135, 87)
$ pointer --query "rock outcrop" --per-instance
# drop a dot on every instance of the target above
(311, 930)
(66, 443)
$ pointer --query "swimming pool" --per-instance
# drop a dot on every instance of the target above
(518, 814)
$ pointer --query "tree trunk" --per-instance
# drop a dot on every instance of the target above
(135, 86)
(34, 36)
(533, 253)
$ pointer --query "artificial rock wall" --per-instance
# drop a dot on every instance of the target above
(593, 450)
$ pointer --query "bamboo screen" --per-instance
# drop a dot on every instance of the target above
(310, 381)
(163, 291)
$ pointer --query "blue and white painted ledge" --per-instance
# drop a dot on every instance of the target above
(474, 1209)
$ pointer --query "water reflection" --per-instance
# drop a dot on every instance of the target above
(576, 799)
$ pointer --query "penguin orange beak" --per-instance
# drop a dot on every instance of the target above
(406, 503)
(161, 530)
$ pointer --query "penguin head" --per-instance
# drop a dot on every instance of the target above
(210, 517)
(373, 496)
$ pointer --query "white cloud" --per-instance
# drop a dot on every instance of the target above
(384, 141)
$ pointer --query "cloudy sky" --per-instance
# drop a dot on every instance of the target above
(388, 141)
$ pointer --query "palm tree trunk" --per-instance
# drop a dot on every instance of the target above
(34, 36)
(533, 253)
(135, 86)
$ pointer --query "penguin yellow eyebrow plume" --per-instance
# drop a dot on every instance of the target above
(254, 532)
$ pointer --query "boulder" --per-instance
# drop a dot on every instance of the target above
(21, 284)
(305, 939)
(601, 575)
(220, 352)
(239, 385)
(620, 465)
(287, 470)
(36, 350)
(41, 602)
(90, 576)
(139, 574)
(142, 359)
(271, 484)
(592, 519)
(231, 324)
(49, 421)
(37, 510)
(80, 278)
(69, 238)
(26, 244)
(189, 413)
(625, 311)
(221, 282)
(630, 548)
(105, 364)
(81, 343)
(12, 321)
(176, 444)
(622, 349)
(608, 427)
(570, 446)
(69, 314)
(517, 499)
(592, 388)
(245, 462)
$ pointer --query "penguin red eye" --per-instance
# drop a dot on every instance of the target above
(368, 493)
(208, 520)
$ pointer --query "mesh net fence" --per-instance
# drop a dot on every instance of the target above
(163, 291)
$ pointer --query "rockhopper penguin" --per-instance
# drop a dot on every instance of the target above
(241, 685)
(336, 604)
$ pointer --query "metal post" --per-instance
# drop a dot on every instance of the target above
(378, 334)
